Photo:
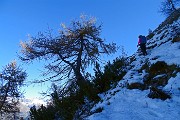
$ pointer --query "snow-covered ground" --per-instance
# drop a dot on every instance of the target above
(123, 104)
(135, 105)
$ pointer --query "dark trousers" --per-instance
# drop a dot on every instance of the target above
(143, 48)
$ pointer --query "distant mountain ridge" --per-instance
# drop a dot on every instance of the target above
(24, 106)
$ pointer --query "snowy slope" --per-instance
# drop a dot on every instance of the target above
(124, 104)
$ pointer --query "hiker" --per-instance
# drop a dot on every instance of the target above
(142, 44)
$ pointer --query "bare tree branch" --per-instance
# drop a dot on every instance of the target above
(74, 49)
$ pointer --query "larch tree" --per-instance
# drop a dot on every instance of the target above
(71, 51)
(11, 79)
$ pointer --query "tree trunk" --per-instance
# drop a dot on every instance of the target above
(86, 88)
(4, 97)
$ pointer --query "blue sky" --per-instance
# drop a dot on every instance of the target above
(123, 21)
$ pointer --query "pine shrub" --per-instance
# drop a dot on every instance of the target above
(113, 72)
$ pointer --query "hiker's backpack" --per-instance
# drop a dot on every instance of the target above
(143, 39)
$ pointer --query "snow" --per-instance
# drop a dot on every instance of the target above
(167, 52)
(134, 104)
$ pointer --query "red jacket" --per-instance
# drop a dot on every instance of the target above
(139, 41)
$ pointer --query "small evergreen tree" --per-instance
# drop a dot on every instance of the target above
(42, 113)
(11, 79)
(113, 72)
